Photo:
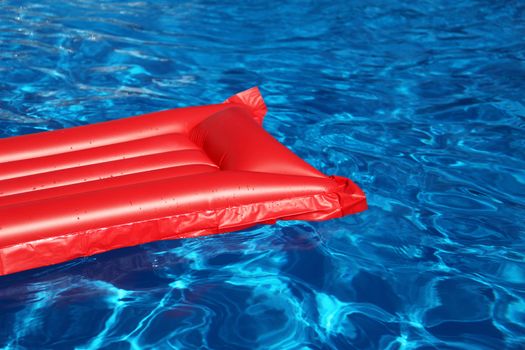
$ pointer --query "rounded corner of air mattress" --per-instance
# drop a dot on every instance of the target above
(172, 174)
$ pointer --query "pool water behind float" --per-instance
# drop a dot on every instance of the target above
(422, 105)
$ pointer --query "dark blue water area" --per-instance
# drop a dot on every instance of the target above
(421, 103)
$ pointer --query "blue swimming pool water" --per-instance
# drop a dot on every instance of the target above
(423, 105)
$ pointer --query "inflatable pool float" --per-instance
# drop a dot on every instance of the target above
(173, 174)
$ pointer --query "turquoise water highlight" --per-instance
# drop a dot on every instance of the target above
(423, 105)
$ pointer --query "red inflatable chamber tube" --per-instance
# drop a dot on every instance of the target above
(173, 174)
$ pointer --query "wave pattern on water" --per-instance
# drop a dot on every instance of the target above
(422, 104)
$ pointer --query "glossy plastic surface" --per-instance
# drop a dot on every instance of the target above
(173, 174)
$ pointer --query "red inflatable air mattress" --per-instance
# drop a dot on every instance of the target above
(174, 174)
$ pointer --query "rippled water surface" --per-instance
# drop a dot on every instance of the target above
(422, 104)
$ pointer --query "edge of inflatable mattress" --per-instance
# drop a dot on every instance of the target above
(252, 99)
(347, 198)
(351, 198)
